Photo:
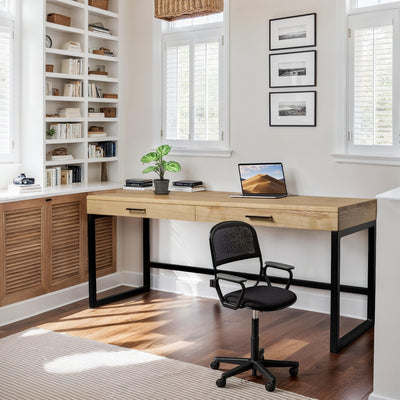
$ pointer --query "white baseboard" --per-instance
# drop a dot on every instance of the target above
(374, 396)
(38, 305)
(169, 281)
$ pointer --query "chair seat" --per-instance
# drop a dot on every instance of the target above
(263, 298)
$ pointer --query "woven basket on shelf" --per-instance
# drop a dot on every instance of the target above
(171, 10)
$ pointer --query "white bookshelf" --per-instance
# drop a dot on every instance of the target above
(81, 16)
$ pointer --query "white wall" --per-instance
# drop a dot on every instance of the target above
(305, 152)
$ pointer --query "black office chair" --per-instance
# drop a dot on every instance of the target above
(234, 241)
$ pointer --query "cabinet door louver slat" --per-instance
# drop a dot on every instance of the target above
(23, 251)
(66, 242)
(105, 258)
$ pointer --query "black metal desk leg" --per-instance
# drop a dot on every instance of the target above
(146, 253)
(335, 292)
(92, 259)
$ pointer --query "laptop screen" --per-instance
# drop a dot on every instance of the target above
(262, 179)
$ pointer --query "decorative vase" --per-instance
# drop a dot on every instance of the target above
(161, 186)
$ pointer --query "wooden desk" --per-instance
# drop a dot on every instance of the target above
(340, 216)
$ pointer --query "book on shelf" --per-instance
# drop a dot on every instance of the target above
(97, 134)
(95, 91)
(66, 131)
(72, 66)
(96, 115)
(138, 187)
(187, 188)
(101, 150)
(57, 176)
(73, 89)
(34, 187)
(69, 113)
(138, 182)
(62, 158)
(188, 183)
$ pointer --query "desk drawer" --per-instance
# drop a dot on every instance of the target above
(141, 210)
(296, 219)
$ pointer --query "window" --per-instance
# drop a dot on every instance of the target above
(373, 81)
(194, 84)
(7, 86)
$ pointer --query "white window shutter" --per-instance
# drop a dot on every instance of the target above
(5, 90)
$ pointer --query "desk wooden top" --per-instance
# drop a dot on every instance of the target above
(301, 212)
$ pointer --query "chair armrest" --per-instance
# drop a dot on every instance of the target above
(277, 265)
(229, 278)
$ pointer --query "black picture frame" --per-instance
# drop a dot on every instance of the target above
(302, 34)
(293, 109)
(293, 69)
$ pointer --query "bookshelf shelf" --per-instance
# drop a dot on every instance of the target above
(66, 3)
(65, 98)
(57, 75)
(102, 159)
(102, 58)
(74, 161)
(85, 169)
(61, 52)
(102, 13)
(102, 36)
(63, 28)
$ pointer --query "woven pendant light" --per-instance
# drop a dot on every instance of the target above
(171, 10)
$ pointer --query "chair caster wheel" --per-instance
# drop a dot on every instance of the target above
(270, 387)
(214, 365)
(221, 382)
(294, 371)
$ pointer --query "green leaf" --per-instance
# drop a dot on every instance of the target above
(172, 166)
(163, 150)
(150, 157)
(151, 169)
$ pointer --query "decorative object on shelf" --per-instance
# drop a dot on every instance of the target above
(102, 51)
(49, 42)
(98, 27)
(104, 172)
(160, 167)
(109, 112)
(72, 46)
(49, 68)
(292, 69)
(292, 32)
(98, 73)
(292, 108)
(56, 92)
(171, 10)
(59, 19)
(110, 96)
(103, 4)
(51, 132)
(21, 179)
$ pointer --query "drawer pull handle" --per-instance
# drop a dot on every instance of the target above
(137, 210)
(269, 218)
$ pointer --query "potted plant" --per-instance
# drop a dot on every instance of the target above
(51, 132)
(160, 167)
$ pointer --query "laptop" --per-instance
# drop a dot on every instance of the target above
(262, 180)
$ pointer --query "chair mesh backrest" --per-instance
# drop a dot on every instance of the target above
(233, 241)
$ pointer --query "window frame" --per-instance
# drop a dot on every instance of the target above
(220, 148)
(343, 152)
(13, 16)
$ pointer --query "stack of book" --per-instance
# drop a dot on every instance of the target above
(139, 184)
(64, 157)
(72, 66)
(188, 186)
(17, 189)
(99, 28)
(73, 89)
(96, 115)
(69, 112)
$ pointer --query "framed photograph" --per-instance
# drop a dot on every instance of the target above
(292, 108)
(293, 32)
(292, 69)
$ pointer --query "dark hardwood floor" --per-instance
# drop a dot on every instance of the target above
(196, 329)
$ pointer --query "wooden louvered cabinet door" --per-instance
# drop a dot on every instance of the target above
(66, 238)
(22, 250)
(105, 245)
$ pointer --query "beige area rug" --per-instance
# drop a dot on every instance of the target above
(42, 365)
